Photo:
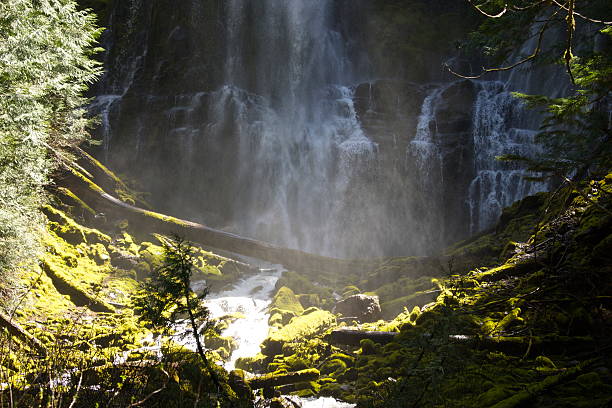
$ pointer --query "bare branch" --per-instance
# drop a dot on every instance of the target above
(592, 20)
(532, 5)
(76, 394)
(530, 57)
(139, 403)
(533, 55)
(498, 15)
(571, 26)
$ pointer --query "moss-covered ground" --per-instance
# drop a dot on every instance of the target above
(516, 316)
(76, 301)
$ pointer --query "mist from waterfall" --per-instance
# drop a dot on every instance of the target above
(265, 118)
(287, 102)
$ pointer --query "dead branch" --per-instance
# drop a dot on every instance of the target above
(498, 15)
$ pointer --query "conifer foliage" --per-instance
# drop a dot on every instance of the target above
(45, 66)
(167, 298)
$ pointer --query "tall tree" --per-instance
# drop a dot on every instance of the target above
(45, 66)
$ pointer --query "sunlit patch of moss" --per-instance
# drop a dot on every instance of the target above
(285, 299)
(301, 327)
(252, 364)
(304, 285)
(76, 201)
(67, 228)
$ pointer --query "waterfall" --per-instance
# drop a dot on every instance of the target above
(263, 118)
(497, 130)
(287, 103)
(269, 147)
(423, 148)
(497, 124)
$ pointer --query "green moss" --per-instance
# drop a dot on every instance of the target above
(310, 300)
(252, 364)
(301, 327)
(334, 368)
(285, 300)
(395, 306)
(220, 342)
(368, 347)
(76, 201)
(304, 285)
(350, 290)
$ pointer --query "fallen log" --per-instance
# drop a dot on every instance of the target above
(523, 397)
(16, 330)
(152, 222)
(275, 380)
(353, 337)
(77, 296)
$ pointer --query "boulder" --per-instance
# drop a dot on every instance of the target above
(239, 384)
(364, 308)
(300, 327)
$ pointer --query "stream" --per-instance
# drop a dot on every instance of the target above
(251, 297)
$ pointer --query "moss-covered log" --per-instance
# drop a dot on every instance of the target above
(77, 296)
(16, 330)
(353, 337)
(521, 398)
(278, 379)
(153, 222)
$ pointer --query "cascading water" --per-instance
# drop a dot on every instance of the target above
(281, 129)
(498, 129)
(249, 298)
(424, 149)
(251, 116)
(299, 143)
(499, 125)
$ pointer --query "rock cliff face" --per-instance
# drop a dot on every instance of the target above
(272, 120)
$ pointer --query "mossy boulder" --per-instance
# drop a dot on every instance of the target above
(217, 342)
(304, 285)
(301, 327)
(364, 308)
(252, 364)
(333, 368)
(286, 300)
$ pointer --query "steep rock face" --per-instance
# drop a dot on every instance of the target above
(454, 126)
(271, 122)
(391, 112)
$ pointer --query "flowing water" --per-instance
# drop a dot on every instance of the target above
(288, 102)
(250, 298)
(243, 115)
(499, 128)
(500, 125)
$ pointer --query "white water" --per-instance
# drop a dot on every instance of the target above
(251, 298)
(288, 101)
(424, 149)
(501, 125)
(499, 128)
(322, 402)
